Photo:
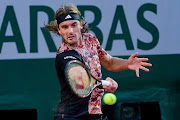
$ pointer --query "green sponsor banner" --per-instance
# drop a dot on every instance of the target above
(33, 84)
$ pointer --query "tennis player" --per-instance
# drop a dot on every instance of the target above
(79, 44)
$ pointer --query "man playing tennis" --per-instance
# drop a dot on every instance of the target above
(70, 24)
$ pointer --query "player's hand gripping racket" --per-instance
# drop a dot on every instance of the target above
(80, 79)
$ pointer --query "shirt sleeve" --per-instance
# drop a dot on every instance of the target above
(100, 50)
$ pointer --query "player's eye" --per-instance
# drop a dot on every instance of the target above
(64, 27)
(74, 24)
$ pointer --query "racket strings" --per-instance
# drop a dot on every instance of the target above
(79, 79)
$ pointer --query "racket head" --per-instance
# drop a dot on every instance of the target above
(79, 78)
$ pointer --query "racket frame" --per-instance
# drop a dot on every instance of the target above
(91, 77)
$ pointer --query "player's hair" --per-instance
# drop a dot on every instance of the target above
(67, 8)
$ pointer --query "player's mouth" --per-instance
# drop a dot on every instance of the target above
(71, 37)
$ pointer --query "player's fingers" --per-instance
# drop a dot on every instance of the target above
(105, 87)
(143, 59)
(134, 55)
(137, 73)
(146, 64)
(145, 69)
(112, 87)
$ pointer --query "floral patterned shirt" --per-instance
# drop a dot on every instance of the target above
(91, 51)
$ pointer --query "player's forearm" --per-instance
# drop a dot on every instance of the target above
(114, 63)
(118, 64)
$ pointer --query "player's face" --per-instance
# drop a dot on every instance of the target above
(71, 31)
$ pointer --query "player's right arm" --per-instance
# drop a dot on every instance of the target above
(112, 87)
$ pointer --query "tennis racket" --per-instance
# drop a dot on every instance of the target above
(80, 79)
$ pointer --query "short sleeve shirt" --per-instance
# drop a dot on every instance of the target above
(91, 51)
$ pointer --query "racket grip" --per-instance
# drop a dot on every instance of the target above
(105, 83)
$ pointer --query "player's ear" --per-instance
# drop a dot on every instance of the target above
(59, 31)
(81, 25)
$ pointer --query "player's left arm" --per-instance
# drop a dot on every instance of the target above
(118, 64)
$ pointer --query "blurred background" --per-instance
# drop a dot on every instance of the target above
(28, 81)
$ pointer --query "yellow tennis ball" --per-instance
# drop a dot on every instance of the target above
(109, 99)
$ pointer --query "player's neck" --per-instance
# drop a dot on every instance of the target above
(80, 41)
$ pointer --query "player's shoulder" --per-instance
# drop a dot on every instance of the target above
(89, 37)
